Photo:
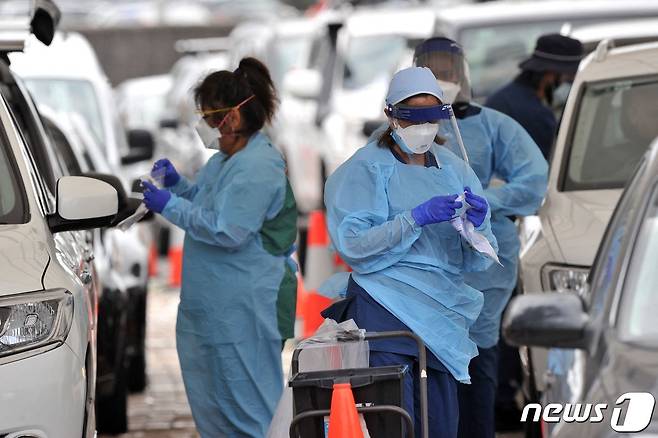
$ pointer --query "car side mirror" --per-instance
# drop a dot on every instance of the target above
(171, 123)
(83, 203)
(142, 146)
(127, 204)
(303, 83)
(548, 319)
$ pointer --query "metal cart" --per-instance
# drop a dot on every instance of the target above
(325, 379)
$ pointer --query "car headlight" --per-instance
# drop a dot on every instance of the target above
(33, 320)
(564, 278)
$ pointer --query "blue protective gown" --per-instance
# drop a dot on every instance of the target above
(415, 272)
(227, 338)
(499, 147)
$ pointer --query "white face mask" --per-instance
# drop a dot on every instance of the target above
(415, 139)
(209, 136)
(450, 91)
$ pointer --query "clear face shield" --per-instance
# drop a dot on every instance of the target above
(446, 60)
(416, 128)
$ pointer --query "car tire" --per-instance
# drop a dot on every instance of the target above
(112, 409)
(137, 379)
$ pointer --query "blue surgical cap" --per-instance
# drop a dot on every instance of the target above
(411, 82)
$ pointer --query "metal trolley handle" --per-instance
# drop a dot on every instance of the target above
(351, 336)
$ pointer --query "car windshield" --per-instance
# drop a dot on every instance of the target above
(12, 203)
(289, 53)
(614, 123)
(640, 300)
(494, 52)
(371, 56)
(70, 95)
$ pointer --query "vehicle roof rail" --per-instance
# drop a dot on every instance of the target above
(202, 45)
(602, 49)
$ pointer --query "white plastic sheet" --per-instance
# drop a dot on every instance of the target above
(157, 179)
(322, 351)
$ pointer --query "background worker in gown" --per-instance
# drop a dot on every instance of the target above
(239, 218)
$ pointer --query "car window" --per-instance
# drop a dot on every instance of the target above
(70, 95)
(614, 123)
(368, 57)
(640, 300)
(494, 52)
(13, 205)
(29, 126)
(288, 53)
(611, 249)
(64, 149)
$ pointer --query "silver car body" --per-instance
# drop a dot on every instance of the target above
(569, 226)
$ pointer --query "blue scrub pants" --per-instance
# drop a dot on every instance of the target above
(477, 400)
(443, 410)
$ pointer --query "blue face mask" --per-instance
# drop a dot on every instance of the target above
(560, 94)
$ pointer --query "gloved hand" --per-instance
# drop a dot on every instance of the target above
(171, 176)
(155, 199)
(438, 209)
(479, 207)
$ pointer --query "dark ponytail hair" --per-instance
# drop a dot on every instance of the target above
(224, 89)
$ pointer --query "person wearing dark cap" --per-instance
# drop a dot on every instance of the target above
(529, 98)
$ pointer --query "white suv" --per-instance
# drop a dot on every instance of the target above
(608, 123)
(48, 292)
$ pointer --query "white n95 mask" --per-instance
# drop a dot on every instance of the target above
(450, 91)
(209, 136)
(415, 139)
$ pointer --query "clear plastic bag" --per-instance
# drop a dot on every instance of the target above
(156, 177)
(323, 351)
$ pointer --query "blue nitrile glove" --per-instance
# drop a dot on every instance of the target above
(171, 176)
(438, 209)
(155, 199)
(479, 207)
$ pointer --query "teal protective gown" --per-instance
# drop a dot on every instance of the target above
(228, 342)
(416, 273)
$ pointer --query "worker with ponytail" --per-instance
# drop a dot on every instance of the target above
(239, 217)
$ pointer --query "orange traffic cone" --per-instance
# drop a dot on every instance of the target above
(176, 256)
(153, 260)
(319, 260)
(319, 267)
(344, 418)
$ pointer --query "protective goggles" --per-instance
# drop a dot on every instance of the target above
(208, 113)
(419, 114)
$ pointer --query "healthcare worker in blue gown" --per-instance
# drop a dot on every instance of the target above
(498, 147)
(227, 338)
(389, 209)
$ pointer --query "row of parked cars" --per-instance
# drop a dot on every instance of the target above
(73, 287)
(332, 69)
